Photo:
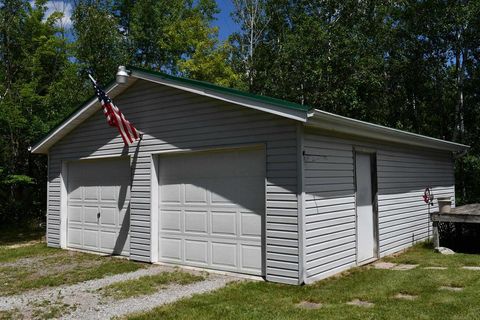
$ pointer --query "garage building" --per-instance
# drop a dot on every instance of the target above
(231, 181)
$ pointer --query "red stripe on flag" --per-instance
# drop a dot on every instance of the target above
(115, 118)
(124, 125)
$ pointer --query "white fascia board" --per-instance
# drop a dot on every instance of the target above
(343, 125)
(297, 115)
(75, 119)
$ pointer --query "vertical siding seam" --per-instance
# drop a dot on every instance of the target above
(300, 205)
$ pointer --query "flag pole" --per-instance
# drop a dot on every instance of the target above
(91, 78)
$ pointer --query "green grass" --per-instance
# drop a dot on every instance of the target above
(423, 255)
(148, 284)
(263, 300)
(10, 315)
(37, 266)
(39, 249)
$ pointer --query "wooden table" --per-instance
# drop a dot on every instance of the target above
(469, 213)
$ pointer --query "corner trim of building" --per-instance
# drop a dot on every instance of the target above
(301, 204)
(154, 208)
(63, 204)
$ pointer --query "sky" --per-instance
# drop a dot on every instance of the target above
(224, 20)
(61, 6)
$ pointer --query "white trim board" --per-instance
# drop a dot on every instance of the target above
(63, 204)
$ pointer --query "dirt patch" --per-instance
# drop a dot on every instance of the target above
(309, 305)
(435, 268)
(384, 265)
(451, 288)
(404, 267)
(360, 303)
(65, 267)
(31, 261)
(471, 268)
(405, 296)
(20, 245)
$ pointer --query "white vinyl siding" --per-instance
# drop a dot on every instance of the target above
(402, 179)
(175, 120)
(402, 175)
(330, 205)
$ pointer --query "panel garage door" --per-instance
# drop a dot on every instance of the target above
(99, 205)
(211, 209)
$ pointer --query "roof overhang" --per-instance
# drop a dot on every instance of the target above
(347, 126)
(86, 110)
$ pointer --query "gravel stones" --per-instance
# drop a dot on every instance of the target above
(87, 302)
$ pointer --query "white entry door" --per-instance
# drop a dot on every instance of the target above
(365, 216)
(98, 205)
(211, 209)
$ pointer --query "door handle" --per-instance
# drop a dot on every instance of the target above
(98, 215)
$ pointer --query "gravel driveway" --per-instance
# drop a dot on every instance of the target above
(84, 301)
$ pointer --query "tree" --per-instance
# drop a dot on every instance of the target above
(211, 62)
(162, 33)
(100, 47)
(35, 63)
(251, 16)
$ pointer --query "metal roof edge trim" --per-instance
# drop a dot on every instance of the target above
(336, 123)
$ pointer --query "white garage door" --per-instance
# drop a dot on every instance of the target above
(98, 205)
(211, 210)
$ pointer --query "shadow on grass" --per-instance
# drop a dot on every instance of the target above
(10, 235)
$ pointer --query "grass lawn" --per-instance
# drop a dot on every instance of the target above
(262, 300)
(36, 266)
(149, 284)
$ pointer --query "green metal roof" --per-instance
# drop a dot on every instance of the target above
(230, 91)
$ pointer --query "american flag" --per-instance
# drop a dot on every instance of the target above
(115, 117)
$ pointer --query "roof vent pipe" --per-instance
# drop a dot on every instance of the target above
(122, 75)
